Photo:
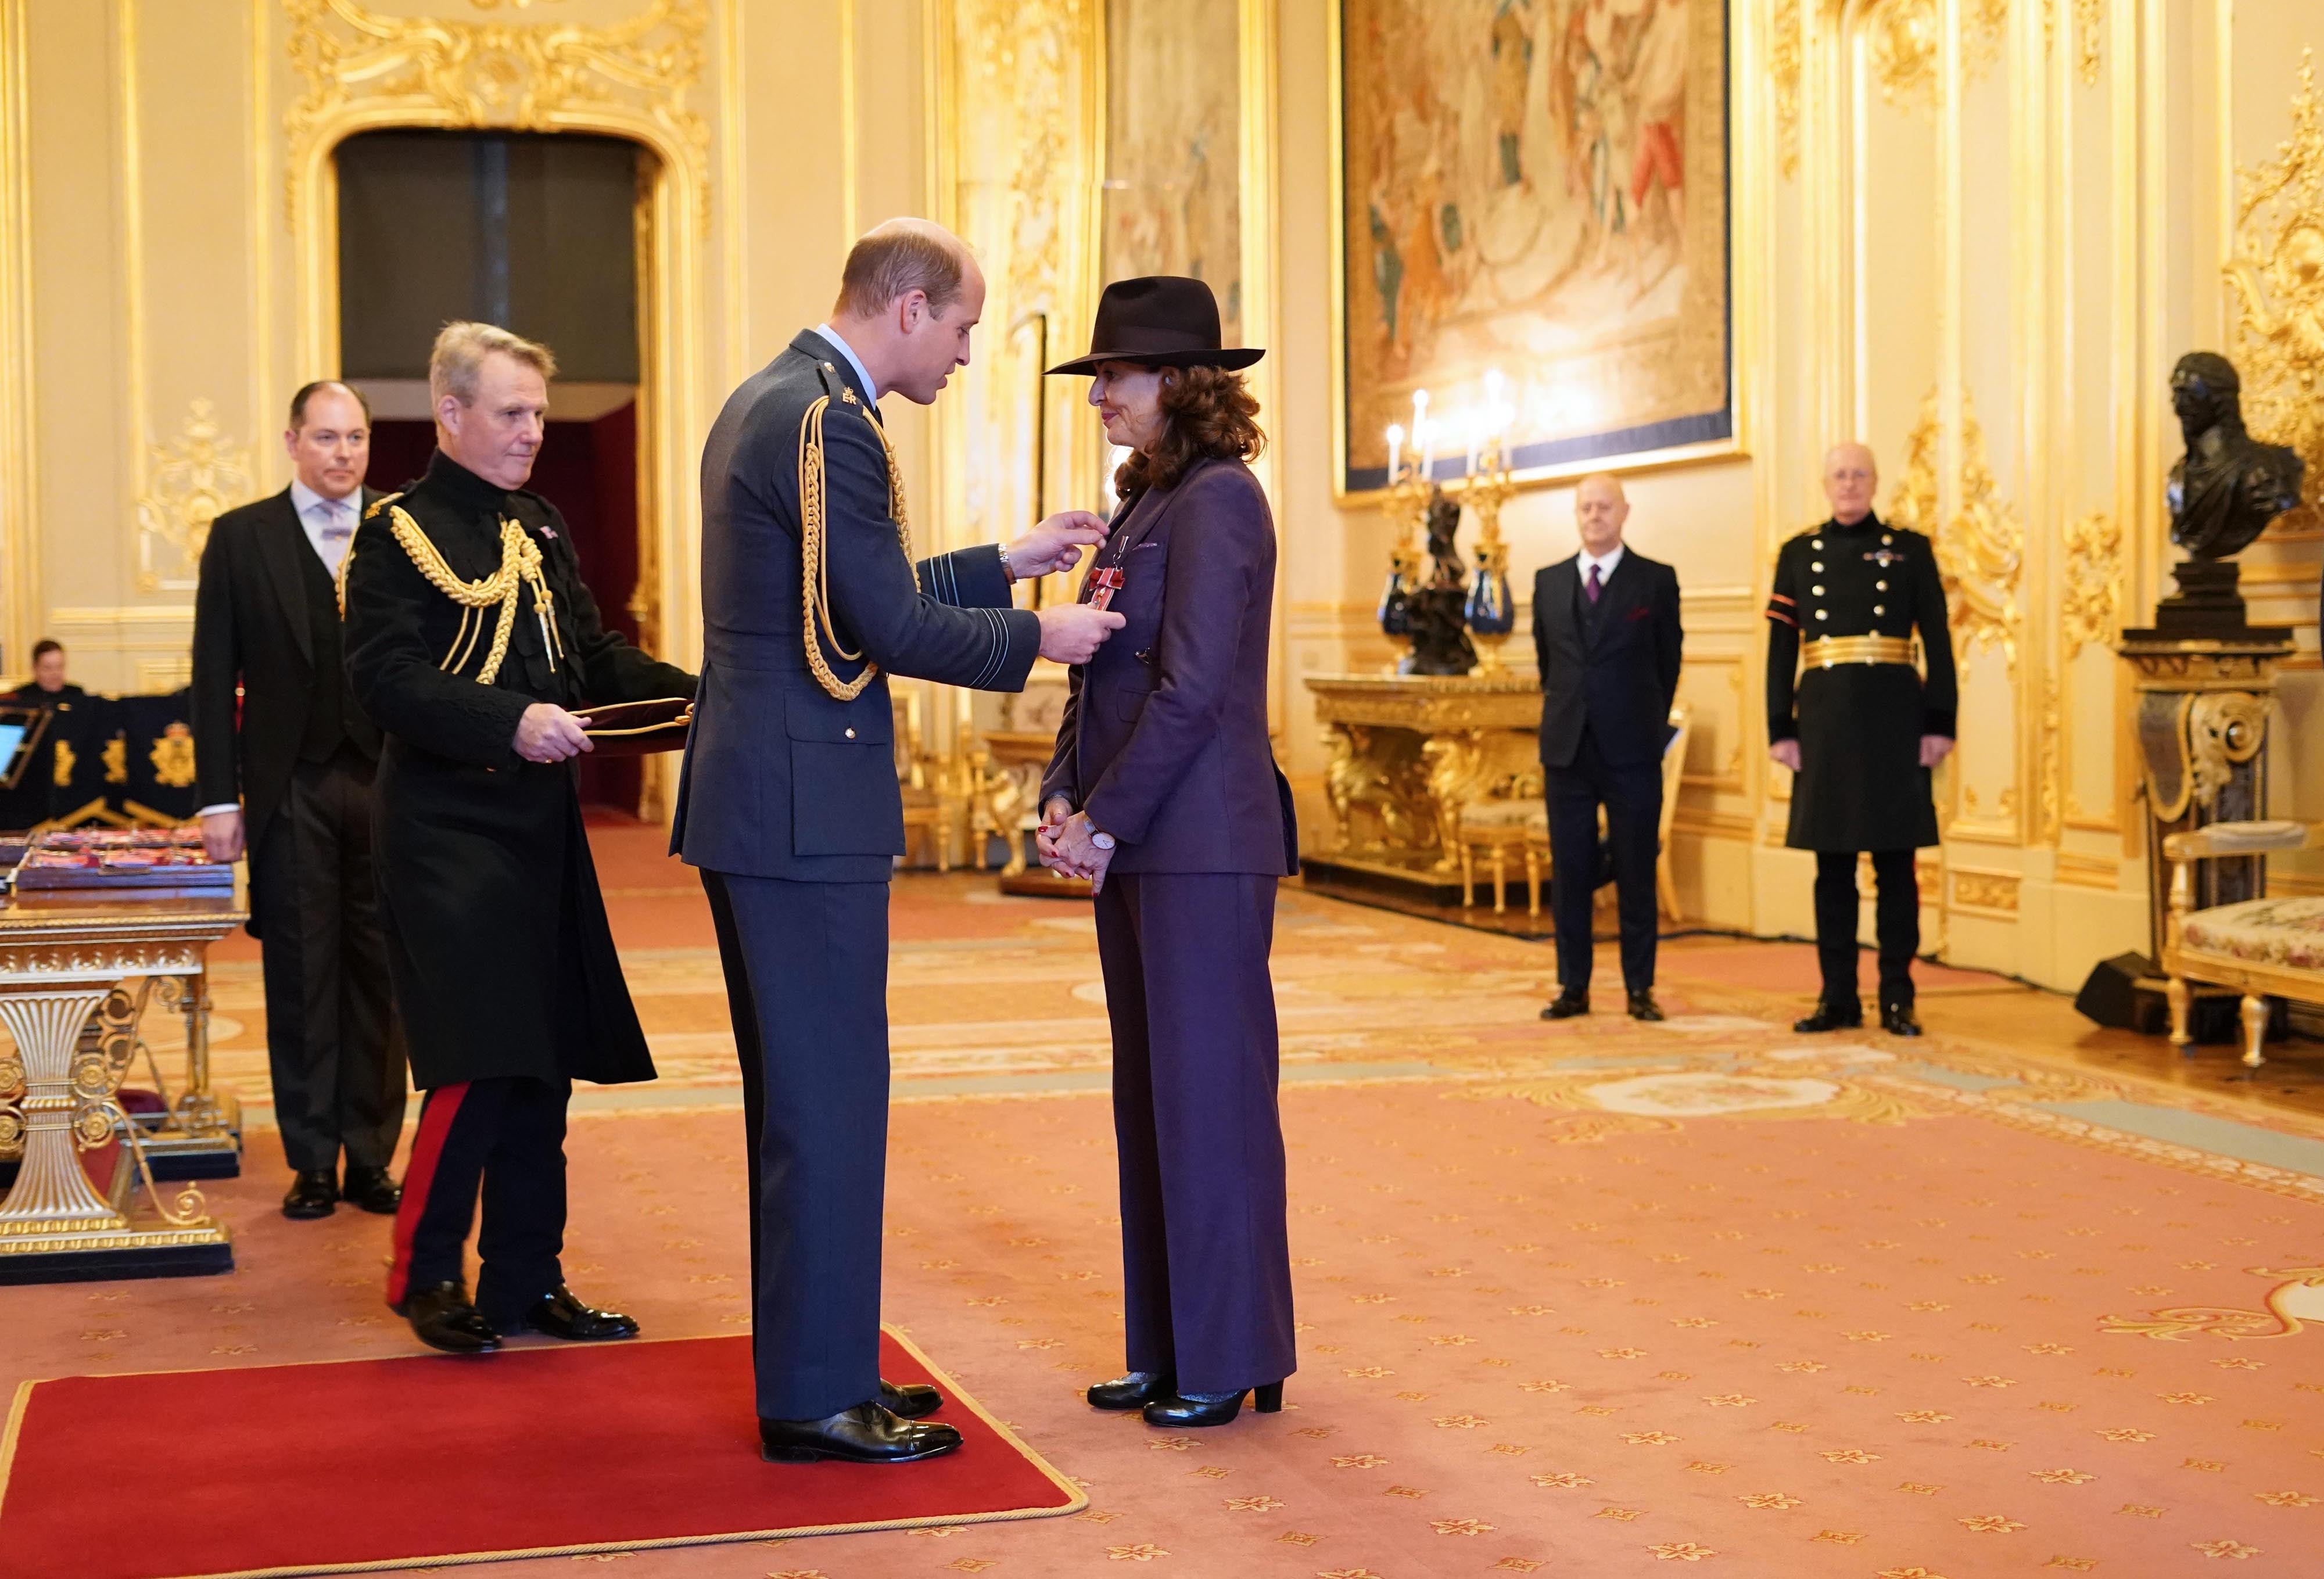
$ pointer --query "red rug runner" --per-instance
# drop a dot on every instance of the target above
(334, 1467)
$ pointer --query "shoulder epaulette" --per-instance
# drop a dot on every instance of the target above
(379, 504)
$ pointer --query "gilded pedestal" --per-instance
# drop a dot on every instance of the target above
(1407, 752)
(71, 1017)
(2202, 719)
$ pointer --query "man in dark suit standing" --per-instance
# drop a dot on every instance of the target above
(285, 759)
(1606, 631)
(789, 801)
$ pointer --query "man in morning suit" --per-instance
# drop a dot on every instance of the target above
(1606, 631)
(475, 646)
(1850, 716)
(789, 801)
(283, 762)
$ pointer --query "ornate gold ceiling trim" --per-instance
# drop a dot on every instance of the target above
(630, 78)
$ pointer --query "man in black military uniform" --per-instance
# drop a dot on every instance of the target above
(474, 643)
(789, 804)
(1860, 727)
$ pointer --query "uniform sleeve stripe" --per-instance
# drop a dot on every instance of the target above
(1778, 597)
(996, 648)
(1785, 618)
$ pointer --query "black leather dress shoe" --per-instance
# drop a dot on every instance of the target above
(908, 1400)
(1566, 1005)
(560, 1313)
(1130, 1392)
(314, 1193)
(866, 1434)
(442, 1318)
(1175, 1410)
(1644, 1007)
(1830, 1016)
(369, 1189)
(1896, 1019)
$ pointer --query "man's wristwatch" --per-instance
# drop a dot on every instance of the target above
(1007, 569)
(1101, 838)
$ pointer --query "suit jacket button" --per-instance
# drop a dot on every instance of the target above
(850, 733)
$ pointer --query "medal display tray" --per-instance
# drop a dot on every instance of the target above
(626, 729)
(120, 858)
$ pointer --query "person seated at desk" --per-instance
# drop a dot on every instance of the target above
(47, 688)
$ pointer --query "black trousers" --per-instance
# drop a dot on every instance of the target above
(807, 985)
(1632, 795)
(1896, 923)
(332, 1045)
(1205, 1250)
(504, 1135)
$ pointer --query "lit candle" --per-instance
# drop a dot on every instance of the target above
(1424, 436)
(1476, 435)
(1395, 449)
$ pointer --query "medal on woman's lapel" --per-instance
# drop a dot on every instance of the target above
(1103, 584)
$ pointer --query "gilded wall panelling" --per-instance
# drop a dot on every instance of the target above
(1722, 722)
(2275, 278)
(1984, 891)
(187, 482)
(19, 558)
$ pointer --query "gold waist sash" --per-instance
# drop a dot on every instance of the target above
(1829, 651)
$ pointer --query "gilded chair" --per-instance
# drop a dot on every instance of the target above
(2261, 947)
(931, 808)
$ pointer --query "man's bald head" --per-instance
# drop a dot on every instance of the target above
(1850, 475)
(892, 260)
(1600, 509)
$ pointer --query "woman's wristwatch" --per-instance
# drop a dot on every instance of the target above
(1101, 838)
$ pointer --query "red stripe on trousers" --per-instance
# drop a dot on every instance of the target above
(436, 1116)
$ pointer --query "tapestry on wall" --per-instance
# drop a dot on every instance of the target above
(1538, 189)
(1173, 186)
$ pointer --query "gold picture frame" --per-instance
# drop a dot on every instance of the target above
(1707, 242)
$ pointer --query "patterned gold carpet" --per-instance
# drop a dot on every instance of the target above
(1589, 1299)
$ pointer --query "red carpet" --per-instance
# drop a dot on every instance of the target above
(326, 1468)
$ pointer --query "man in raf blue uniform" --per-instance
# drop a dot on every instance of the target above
(1861, 728)
(789, 805)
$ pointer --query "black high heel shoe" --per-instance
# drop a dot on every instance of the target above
(1132, 1392)
(1174, 1410)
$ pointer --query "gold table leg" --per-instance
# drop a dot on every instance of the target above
(66, 1108)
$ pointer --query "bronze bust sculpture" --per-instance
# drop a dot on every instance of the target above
(2228, 486)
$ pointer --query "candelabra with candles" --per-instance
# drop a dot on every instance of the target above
(1489, 611)
(1426, 593)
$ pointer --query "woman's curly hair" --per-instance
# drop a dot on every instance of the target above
(1206, 413)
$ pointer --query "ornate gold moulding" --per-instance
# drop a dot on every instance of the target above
(72, 1019)
(1407, 752)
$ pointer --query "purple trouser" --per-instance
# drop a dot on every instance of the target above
(1206, 1260)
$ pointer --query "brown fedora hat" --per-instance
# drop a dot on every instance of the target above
(1163, 320)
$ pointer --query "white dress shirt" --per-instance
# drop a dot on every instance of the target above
(848, 351)
(1604, 563)
(319, 515)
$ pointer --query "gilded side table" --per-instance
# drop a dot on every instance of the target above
(1408, 751)
(67, 1002)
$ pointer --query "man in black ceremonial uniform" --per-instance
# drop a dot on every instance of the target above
(474, 642)
(1860, 727)
(789, 807)
(283, 763)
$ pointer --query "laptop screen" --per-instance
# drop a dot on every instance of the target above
(11, 741)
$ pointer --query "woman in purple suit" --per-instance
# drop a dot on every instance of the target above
(1164, 793)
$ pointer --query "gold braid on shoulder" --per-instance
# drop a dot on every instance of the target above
(339, 582)
(815, 578)
(520, 567)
